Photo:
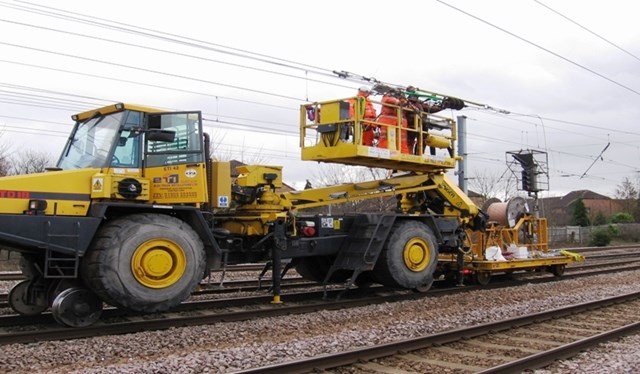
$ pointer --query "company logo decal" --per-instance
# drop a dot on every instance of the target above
(5, 194)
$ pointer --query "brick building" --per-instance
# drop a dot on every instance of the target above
(559, 211)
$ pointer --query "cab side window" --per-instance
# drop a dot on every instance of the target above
(186, 147)
(127, 153)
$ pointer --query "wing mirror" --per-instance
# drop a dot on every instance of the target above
(159, 135)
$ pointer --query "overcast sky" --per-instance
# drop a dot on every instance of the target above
(566, 71)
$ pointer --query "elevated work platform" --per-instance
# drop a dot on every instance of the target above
(399, 138)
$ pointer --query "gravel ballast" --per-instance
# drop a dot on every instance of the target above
(232, 346)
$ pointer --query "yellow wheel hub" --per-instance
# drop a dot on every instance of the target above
(158, 263)
(416, 255)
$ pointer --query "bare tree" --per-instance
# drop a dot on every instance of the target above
(490, 185)
(5, 161)
(227, 154)
(628, 194)
(30, 161)
(215, 147)
(334, 174)
(626, 189)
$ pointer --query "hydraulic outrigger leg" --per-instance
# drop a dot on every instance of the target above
(460, 266)
(279, 244)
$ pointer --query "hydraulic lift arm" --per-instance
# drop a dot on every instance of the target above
(418, 193)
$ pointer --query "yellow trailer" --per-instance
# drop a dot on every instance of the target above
(515, 240)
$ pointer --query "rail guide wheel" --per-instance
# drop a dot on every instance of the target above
(18, 300)
(557, 270)
(482, 277)
(76, 307)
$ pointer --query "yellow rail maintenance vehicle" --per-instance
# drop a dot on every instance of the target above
(135, 214)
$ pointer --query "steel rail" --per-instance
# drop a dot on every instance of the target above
(331, 361)
(115, 321)
(17, 275)
(230, 286)
(562, 352)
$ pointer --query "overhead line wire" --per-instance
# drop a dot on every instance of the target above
(152, 71)
(170, 37)
(32, 97)
(587, 157)
(588, 30)
(172, 52)
(32, 104)
(541, 48)
(144, 84)
(250, 124)
(545, 118)
(578, 124)
(573, 123)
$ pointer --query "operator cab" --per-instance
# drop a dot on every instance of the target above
(132, 138)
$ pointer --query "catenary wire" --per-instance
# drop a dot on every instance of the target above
(541, 48)
(588, 30)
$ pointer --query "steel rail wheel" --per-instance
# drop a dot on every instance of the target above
(18, 300)
(76, 307)
(144, 262)
(482, 277)
(409, 257)
(557, 270)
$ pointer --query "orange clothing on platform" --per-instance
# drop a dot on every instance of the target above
(369, 110)
(389, 116)
(369, 114)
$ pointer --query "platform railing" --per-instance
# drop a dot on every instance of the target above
(406, 135)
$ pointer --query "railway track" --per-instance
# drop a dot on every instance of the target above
(21, 329)
(115, 321)
(216, 284)
(607, 248)
(17, 275)
(506, 346)
(228, 287)
(234, 286)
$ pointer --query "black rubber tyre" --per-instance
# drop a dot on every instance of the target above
(316, 268)
(409, 257)
(167, 255)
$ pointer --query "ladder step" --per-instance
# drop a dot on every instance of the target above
(57, 265)
(367, 236)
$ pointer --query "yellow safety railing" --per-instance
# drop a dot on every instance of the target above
(398, 138)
